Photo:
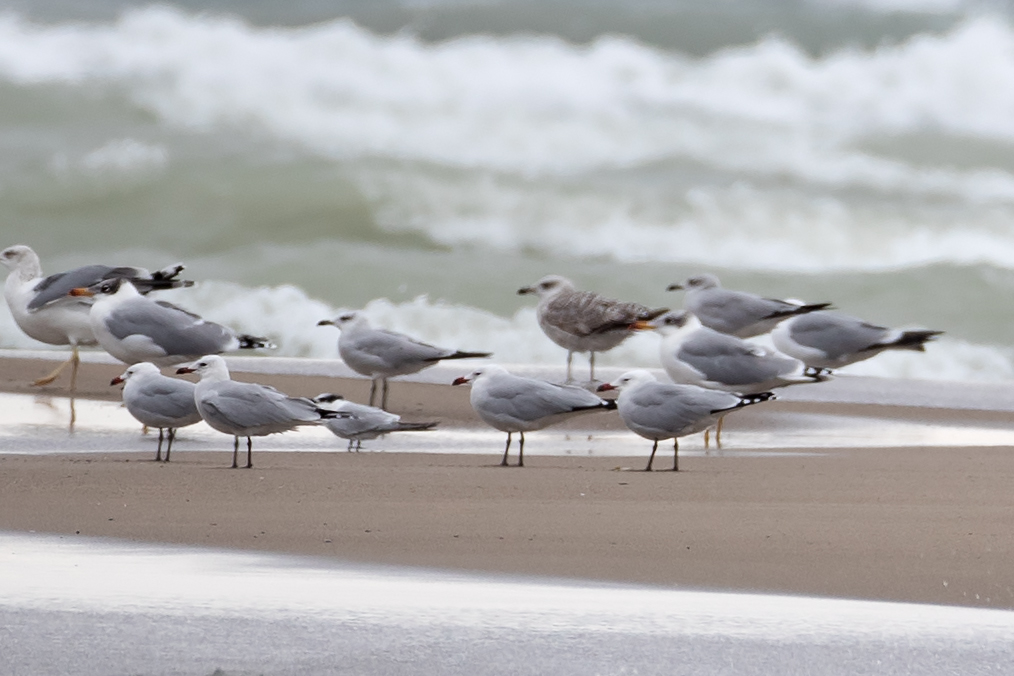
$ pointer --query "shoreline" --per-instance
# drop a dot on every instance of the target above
(927, 524)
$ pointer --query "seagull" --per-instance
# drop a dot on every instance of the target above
(134, 328)
(381, 354)
(158, 401)
(361, 423)
(513, 403)
(692, 354)
(830, 340)
(247, 409)
(737, 313)
(584, 321)
(41, 307)
(660, 411)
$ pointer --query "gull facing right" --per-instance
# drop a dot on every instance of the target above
(360, 422)
(659, 411)
(512, 403)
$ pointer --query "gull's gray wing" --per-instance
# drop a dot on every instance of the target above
(168, 399)
(530, 399)
(57, 286)
(835, 334)
(730, 311)
(728, 360)
(172, 328)
(381, 350)
(253, 406)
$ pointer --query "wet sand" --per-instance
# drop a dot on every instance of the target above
(923, 524)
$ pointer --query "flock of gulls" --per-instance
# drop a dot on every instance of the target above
(705, 351)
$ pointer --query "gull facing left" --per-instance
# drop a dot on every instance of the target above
(134, 328)
(158, 401)
(659, 411)
(247, 409)
(512, 403)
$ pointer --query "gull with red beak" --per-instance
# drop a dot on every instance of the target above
(248, 409)
(158, 401)
(512, 403)
(660, 411)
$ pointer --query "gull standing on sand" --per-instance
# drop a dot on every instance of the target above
(134, 328)
(360, 422)
(381, 354)
(158, 401)
(247, 409)
(584, 321)
(737, 313)
(513, 403)
(830, 340)
(43, 309)
(659, 411)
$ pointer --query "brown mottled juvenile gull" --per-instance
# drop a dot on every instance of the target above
(737, 313)
(584, 321)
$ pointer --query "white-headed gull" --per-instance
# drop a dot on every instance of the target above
(380, 354)
(247, 409)
(134, 328)
(512, 403)
(43, 309)
(584, 321)
(830, 340)
(659, 411)
(737, 313)
(360, 422)
(158, 401)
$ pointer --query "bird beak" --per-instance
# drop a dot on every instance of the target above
(525, 290)
(674, 287)
(605, 387)
(116, 381)
(80, 291)
(325, 322)
(641, 325)
(185, 369)
(460, 381)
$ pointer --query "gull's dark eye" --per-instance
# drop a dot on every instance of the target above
(347, 318)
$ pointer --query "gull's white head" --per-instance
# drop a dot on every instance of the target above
(628, 380)
(21, 259)
(117, 286)
(134, 371)
(209, 367)
(671, 322)
(697, 283)
(346, 320)
(482, 371)
(548, 286)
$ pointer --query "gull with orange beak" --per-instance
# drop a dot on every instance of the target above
(134, 328)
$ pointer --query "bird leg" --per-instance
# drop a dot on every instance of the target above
(373, 391)
(235, 452)
(383, 396)
(349, 449)
(249, 452)
(707, 438)
(654, 447)
(591, 366)
(675, 454)
(359, 445)
(506, 450)
(521, 450)
(169, 447)
(158, 452)
(718, 433)
(73, 360)
(570, 358)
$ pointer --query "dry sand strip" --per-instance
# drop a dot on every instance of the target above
(909, 524)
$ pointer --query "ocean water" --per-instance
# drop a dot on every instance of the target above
(425, 158)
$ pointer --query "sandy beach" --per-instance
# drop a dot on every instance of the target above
(906, 523)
